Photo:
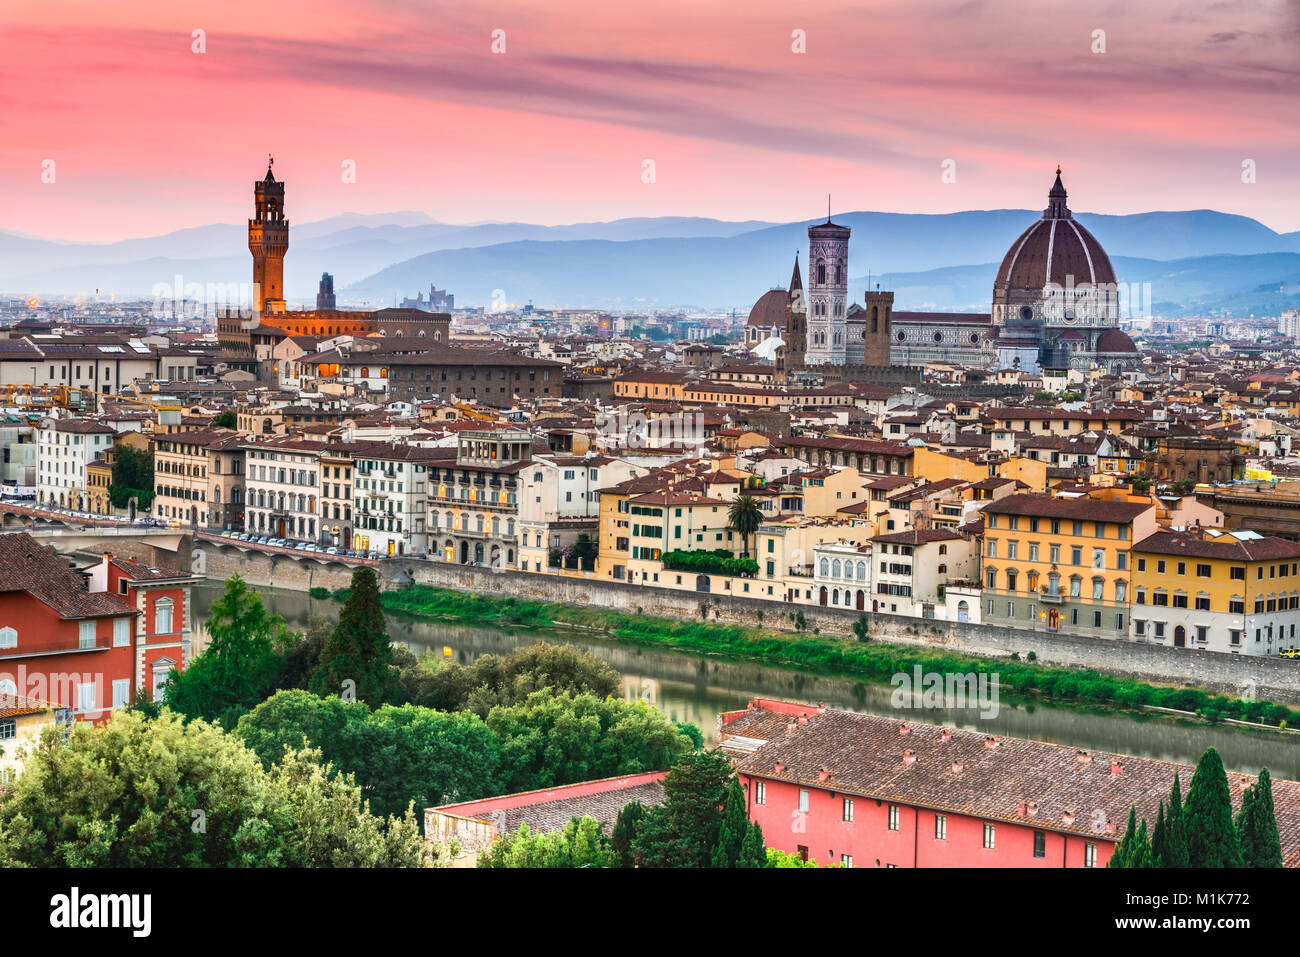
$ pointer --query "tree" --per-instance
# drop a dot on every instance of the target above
(1134, 850)
(744, 517)
(165, 793)
(240, 666)
(1257, 825)
(1211, 835)
(684, 830)
(359, 650)
(581, 843)
(226, 420)
(560, 738)
(1140, 484)
(734, 828)
(132, 477)
(561, 668)
(624, 832)
(398, 755)
(1170, 845)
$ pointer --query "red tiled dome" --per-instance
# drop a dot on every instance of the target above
(1113, 340)
(769, 311)
(1052, 249)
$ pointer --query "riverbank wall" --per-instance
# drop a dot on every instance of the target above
(1237, 676)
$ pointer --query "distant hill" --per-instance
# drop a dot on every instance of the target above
(1196, 260)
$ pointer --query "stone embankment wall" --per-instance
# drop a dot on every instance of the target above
(1273, 679)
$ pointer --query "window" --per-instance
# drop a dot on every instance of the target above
(941, 827)
(760, 792)
(1040, 844)
(121, 632)
(848, 809)
(121, 692)
(162, 616)
(86, 696)
(846, 860)
(803, 800)
(1202, 571)
(8, 637)
(87, 634)
(893, 817)
(988, 836)
(8, 729)
(1089, 854)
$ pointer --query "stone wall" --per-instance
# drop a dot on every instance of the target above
(1273, 679)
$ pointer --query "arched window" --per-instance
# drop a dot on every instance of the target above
(825, 567)
(835, 568)
(862, 571)
(8, 688)
(365, 372)
(383, 373)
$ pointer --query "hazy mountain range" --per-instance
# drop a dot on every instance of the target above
(1196, 261)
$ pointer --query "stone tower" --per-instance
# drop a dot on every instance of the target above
(828, 293)
(325, 294)
(877, 332)
(268, 241)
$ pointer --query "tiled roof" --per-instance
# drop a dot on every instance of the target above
(28, 566)
(1059, 787)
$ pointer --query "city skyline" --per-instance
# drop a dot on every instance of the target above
(557, 128)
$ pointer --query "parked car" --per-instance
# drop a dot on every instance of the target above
(331, 551)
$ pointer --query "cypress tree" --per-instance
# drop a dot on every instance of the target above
(359, 648)
(734, 829)
(1141, 855)
(752, 851)
(1257, 825)
(1211, 835)
(1124, 851)
(1158, 838)
(1173, 850)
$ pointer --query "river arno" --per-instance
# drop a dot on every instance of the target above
(696, 689)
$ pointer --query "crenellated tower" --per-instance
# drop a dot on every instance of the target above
(268, 241)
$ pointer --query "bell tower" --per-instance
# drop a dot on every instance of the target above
(268, 241)
(828, 288)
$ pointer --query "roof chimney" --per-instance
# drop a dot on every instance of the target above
(824, 774)
(780, 766)
(1083, 757)
(958, 767)
(909, 756)
(903, 729)
(1067, 817)
(1116, 769)
(990, 741)
(946, 735)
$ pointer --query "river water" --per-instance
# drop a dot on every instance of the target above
(696, 689)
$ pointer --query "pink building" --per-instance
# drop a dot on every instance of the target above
(866, 790)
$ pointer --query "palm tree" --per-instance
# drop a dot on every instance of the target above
(744, 517)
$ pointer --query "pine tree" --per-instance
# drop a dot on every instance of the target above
(359, 650)
(1257, 825)
(1211, 835)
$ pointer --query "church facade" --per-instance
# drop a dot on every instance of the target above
(1055, 305)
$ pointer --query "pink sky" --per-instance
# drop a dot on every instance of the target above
(148, 136)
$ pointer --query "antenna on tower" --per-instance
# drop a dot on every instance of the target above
(828, 207)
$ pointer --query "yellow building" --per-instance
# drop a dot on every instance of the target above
(99, 478)
(21, 723)
(1235, 592)
(1061, 564)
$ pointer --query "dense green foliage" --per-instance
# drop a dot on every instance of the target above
(162, 793)
(582, 843)
(492, 680)
(226, 420)
(717, 562)
(133, 477)
(414, 754)
(825, 653)
(1134, 850)
(684, 830)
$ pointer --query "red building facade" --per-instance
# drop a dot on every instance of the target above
(865, 790)
(87, 641)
